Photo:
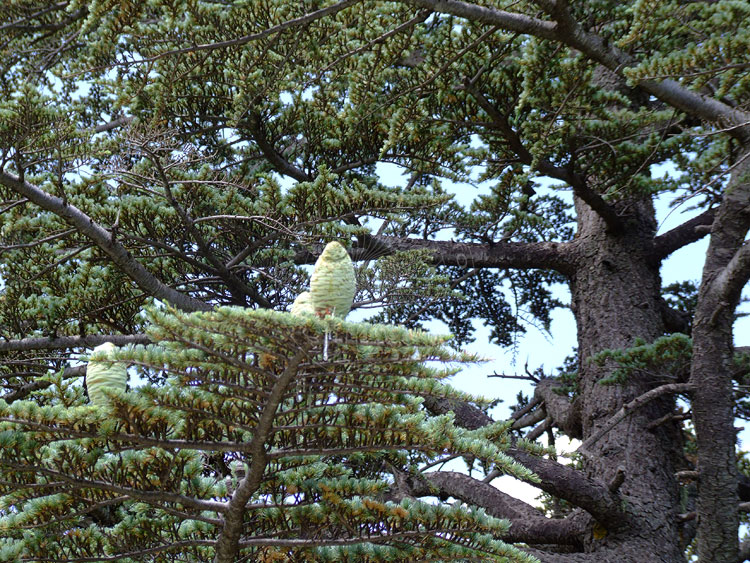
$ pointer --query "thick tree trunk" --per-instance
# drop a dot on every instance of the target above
(616, 299)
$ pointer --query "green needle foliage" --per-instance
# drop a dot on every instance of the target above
(313, 440)
(200, 154)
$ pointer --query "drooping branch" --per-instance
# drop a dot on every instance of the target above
(105, 241)
(557, 479)
(568, 32)
(688, 232)
(570, 484)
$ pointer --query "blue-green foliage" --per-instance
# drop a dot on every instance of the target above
(148, 469)
(666, 358)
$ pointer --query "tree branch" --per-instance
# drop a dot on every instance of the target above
(565, 413)
(557, 479)
(631, 407)
(114, 124)
(138, 554)
(24, 390)
(674, 320)
(239, 41)
(228, 542)
(575, 181)
(568, 32)
(150, 497)
(570, 484)
(682, 235)
(528, 524)
(507, 20)
(558, 256)
(105, 241)
(236, 285)
(66, 342)
(734, 277)
(282, 165)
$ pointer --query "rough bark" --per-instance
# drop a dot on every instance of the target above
(711, 373)
(616, 299)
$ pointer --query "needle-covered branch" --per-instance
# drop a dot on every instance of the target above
(569, 32)
(104, 240)
(227, 544)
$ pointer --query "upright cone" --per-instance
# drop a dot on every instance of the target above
(104, 375)
(332, 284)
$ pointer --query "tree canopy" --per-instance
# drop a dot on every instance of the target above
(170, 169)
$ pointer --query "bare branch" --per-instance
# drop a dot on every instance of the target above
(66, 342)
(543, 255)
(529, 419)
(733, 278)
(114, 124)
(565, 413)
(557, 479)
(536, 432)
(689, 232)
(631, 407)
(506, 20)
(567, 483)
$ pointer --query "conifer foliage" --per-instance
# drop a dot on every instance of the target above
(143, 474)
(193, 158)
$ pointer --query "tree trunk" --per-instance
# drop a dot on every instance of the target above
(711, 373)
(616, 299)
